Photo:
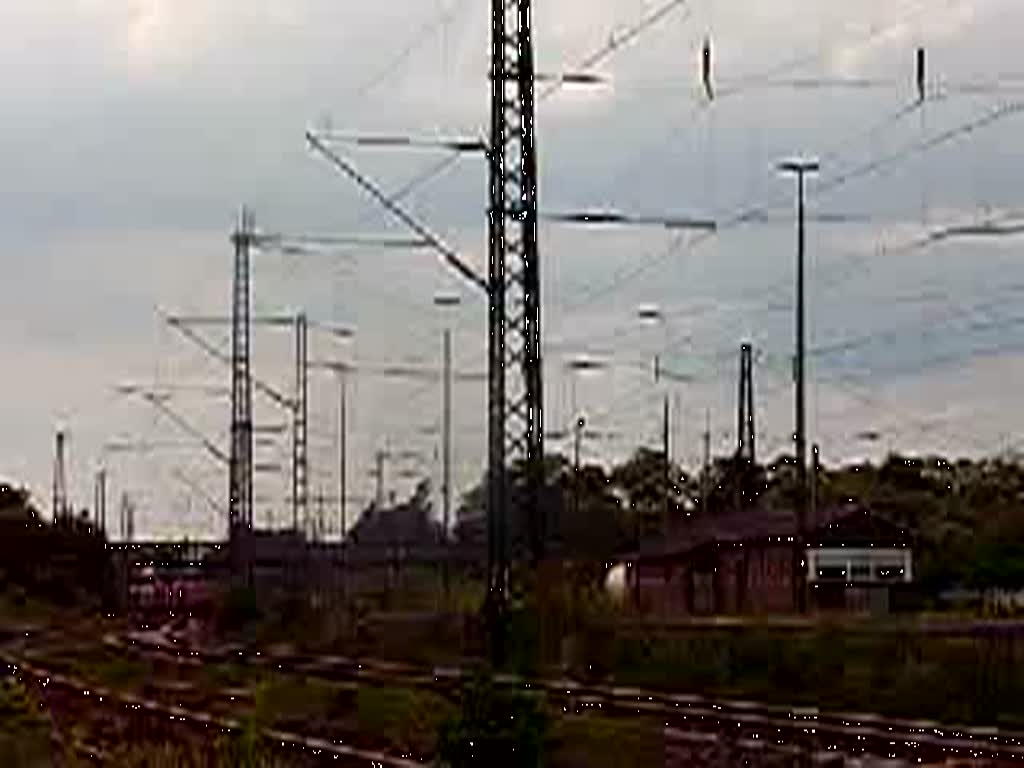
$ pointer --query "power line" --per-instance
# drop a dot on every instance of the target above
(829, 184)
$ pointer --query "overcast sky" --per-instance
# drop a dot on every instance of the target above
(133, 132)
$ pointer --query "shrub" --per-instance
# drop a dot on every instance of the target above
(407, 718)
(494, 729)
(24, 727)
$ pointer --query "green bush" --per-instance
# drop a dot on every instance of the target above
(903, 673)
(406, 718)
(593, 741)
(24, 727)
(493, 728)
(280, 699)
(240, 611)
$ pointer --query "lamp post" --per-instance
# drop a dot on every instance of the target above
(800, 168)
(578, 365)
(651, 314)
(446, 301)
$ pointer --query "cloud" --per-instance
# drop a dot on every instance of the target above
(135, 129)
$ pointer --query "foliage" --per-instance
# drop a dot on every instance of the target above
(240, 611)
(120, 672)
(406, 718)
(237, 750)
(282, 700)
(24, 727)
(243, 750)
(494, 728)
(892, 669)
(593, 741)
(966, 516)
(65, 563)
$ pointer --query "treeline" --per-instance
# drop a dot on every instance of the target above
(64, 562)
(966, 517)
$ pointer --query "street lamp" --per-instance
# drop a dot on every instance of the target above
(800, 168)
(652, 314)
(446, 302)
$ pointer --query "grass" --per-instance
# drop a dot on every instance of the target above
(219, 676)
(24, 728)
(409, 719)
(282, 700)
(594, 741)
(17, 607)
(969, 680)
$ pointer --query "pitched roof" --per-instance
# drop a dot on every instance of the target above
(847, 524)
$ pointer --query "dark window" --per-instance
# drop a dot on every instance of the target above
(861, 572)
(888, 573)
(832, 572)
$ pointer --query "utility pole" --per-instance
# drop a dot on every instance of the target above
(378, 473)
(665, 447)
(240, 460)
(61, 504)
(100, 502)
(814, 487)
(446, 454)
(127, 518)
(515, 402)
(745, 455)
(443, 302)
(342, 455)
(706, 477)
(300, 455)
(320, 519)
(800, 168)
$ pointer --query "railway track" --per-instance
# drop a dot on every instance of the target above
(750, 727)
(76, 700)
(748, 733)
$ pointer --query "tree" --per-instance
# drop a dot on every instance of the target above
(648, 488)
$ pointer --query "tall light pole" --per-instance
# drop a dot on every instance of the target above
(446, 301)
(800, 168)
(577, 365)
(655, 315)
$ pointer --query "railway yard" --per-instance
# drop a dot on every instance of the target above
(110, 684)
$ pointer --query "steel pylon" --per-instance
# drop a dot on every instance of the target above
(515, 407)
(240, 464)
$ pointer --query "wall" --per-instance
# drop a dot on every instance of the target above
(731, 580)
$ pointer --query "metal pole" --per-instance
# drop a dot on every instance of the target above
(300, 459)
(379, 472)
(814, 488)
(101, 501)
(800, 168)
(801, 413)
(240, 465)
(668, 465)
(446, 452)
(577, 440)
(342, 458)
(705, 481)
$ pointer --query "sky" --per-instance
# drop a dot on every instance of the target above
(134, 131)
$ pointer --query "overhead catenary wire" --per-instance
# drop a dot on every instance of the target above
(828, 184)
(449, 255)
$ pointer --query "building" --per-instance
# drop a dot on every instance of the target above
(742, 562)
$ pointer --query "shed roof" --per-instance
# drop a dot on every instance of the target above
(847, 524)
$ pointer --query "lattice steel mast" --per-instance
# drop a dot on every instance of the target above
(240, 464)
(515, 407)
(300, 436)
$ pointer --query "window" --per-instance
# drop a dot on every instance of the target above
(888, 572)
(861, 572)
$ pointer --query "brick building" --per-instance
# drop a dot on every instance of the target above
(742, 563)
